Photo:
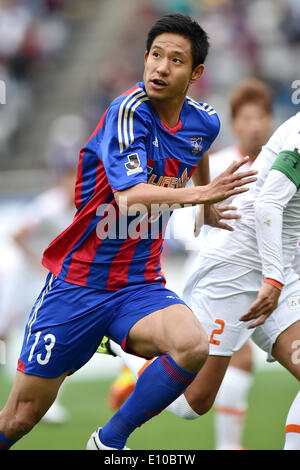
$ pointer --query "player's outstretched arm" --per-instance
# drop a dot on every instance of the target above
(228, 183)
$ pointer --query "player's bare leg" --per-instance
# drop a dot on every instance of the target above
(243, 359)
(287, 351)
(202, 392)
(29, 400)
(231, 402)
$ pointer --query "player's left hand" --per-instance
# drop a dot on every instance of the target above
(215, 213)
(265, 303)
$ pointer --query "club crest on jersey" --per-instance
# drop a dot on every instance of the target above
(133, 165)
(196, 144)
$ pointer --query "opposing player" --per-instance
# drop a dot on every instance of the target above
(105, 276)
(248, 276)
(251, 122)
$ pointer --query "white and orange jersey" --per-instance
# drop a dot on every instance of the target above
(266, 239)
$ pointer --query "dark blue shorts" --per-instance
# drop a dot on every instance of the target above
(68, 322)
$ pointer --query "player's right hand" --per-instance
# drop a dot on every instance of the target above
(229, 183)
(265, 303)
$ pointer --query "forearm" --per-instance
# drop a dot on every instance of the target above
(268, 219)
(146, 197)
(143, 196)
(273, 198)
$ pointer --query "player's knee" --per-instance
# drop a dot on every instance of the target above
(200, 352)
(193, 354)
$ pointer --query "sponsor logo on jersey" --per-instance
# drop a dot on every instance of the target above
(196, 145)
(169, 181)
(133, 165)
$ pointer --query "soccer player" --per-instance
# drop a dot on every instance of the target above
(105, 276)
(251, 122)
(248, 276)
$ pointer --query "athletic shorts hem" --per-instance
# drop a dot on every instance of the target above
(43, 376)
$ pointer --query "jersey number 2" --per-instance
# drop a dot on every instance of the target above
(217, 331)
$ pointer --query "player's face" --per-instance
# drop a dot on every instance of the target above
(252, 127)
(169, 67)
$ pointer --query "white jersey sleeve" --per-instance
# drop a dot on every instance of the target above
(296, 260)
(277, 205)
(269, 209)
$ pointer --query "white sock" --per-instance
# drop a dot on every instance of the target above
(182, 409)
(231, 405)
(134, 363)
(292, 428)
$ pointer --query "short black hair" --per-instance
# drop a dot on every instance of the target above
(185, 26)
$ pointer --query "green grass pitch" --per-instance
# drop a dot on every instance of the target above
(270, 398)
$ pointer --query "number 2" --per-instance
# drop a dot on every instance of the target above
(217, 331)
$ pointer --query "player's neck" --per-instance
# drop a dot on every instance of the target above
(168, 111)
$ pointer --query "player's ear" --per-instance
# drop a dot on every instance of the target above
(146, 56)
(196, 73)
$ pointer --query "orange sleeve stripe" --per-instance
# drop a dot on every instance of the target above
(230, 411)
(292, 428)
(274, 283)
(147, 363)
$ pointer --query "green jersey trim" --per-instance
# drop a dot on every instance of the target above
(288, 162)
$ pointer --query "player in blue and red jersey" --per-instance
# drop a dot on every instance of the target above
(105, 276)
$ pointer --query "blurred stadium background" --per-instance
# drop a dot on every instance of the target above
(61, 63)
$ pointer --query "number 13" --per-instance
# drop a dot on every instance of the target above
(48, 348)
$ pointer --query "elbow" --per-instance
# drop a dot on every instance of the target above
(267, 211)
(129, 200)
(263, 212)
(122, 202)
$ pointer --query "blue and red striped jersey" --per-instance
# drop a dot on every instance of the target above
(102, 248)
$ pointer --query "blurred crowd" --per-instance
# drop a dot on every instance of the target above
(258, 38)
(34, 35)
